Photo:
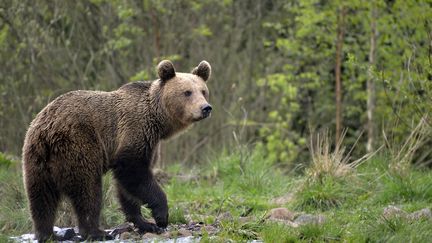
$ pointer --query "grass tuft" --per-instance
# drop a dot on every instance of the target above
(402, 155)
(326, 162)
(275, 232)
(176, 215)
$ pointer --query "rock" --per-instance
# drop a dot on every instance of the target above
(126, 227)
(285, 222)
(309, 219)
(65, 234)
(125, 236)
(131, 236)
(282, 199)
(193, 226)
(247, 219)
(425, 213)
(393, 211)
(184, 232)
(166, 234)
(186, 239)
(281, 214)
(225, 216)
(27, 237)
(149, 236)
(210, 229)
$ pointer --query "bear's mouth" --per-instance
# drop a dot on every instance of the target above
(202, 117)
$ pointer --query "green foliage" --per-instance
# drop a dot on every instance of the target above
(410, 188)
(304, 33)
(14, 217)
(393, 230)
(140, 76)
(278, 233)
(176, 215)
(281, 142)
(273, 65)
(5, 161)
(322, 195)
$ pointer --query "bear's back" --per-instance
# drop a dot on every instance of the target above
(73, 114)
(76, 107)
(95, 114)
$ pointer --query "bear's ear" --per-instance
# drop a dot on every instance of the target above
(203, 70)
(166, 70)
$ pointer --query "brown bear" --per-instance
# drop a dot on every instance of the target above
(81, 135)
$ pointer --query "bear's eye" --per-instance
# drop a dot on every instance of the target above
(203, 92)
(188, 93)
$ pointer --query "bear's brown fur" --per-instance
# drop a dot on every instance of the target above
(81, 135)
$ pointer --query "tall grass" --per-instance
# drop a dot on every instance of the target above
(331, 178)
(402, 155)
(14, 213)
(328, 162)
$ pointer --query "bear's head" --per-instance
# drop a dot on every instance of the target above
(185, 96)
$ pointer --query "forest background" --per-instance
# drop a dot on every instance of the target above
(281, 69)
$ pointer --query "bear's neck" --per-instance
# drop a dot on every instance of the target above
(164, 122)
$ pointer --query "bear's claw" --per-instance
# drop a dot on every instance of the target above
(147, 227)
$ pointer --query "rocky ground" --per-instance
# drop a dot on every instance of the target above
(193, 231)
(189, 232)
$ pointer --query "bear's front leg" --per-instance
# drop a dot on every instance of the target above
(136, 186)
(132, 209)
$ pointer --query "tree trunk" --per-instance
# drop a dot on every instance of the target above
(370, 83)
(339, 45)
(155, 25)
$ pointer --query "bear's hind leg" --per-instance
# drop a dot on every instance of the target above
(43, 198)
(86, 200)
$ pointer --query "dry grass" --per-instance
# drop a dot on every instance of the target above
(328, 161)
(402, 155)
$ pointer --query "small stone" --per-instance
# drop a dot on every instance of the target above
(194, 226)
(210, 229)
(425, 213)
(125, 236)
(121, 229)
(149, 236)
(282, 199)
(65, 234)
(28, 237)
(247, 219)
(225, 216)
(166, 234)
(310, 219)
(184, 232)
(285, 222)
(393, 211)
(280, 213)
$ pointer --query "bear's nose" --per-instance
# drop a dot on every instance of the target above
(206, 110)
